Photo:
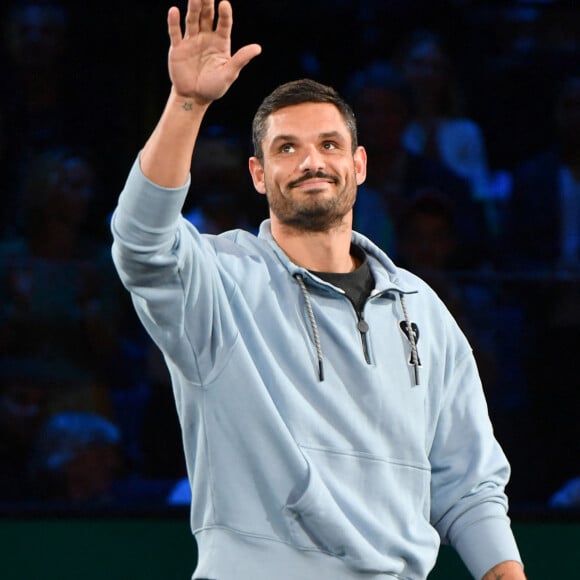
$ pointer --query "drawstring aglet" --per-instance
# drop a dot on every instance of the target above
(416, 373)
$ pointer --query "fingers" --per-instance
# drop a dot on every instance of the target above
(207, 15)
(199, 17)
(225, 19)
(192, 17)
(173, 26)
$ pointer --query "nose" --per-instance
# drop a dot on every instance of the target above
(312, 160)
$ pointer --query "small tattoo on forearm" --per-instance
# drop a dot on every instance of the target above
(187, 106)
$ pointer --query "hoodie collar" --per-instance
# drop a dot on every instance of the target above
(384, 270)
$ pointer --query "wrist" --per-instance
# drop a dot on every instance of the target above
(508, 570)
(188, 104)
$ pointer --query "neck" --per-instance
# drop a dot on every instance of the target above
(327, 251)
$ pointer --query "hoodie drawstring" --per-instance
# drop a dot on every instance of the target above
(313, 325)
(316, 335)
(412, 340)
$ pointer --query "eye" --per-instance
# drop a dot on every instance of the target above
(287, 148)
(329, 145)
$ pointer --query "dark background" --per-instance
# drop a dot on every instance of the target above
(114, 71)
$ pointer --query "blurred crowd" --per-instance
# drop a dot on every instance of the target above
(470, 114)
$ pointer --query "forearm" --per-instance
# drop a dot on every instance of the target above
(166, 157)
(509, 570)
(201, 69)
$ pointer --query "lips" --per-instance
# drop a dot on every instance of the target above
(308, 181)
(313, 183)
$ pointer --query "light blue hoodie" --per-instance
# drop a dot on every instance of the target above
(307, 459)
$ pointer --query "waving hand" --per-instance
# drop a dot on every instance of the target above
(201, 66)
(202, 69)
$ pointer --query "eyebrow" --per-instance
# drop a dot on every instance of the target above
(323, 136)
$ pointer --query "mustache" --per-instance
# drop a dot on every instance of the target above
(313, 175)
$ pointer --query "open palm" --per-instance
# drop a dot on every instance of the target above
(201, 66)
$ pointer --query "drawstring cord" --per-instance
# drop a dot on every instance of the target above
(412, 340)
(313, 325)
(316, 336)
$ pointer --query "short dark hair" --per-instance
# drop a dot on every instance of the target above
(296, 93)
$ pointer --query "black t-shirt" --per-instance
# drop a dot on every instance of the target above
(357, 284)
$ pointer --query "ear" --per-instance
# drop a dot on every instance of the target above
(257, 173)
(360, 164)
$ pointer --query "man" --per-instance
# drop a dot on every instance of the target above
(328, 434)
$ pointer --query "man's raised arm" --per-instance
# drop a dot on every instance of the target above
(201, 69)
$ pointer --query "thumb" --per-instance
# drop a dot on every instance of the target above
(242, 57)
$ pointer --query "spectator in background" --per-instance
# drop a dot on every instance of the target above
(384, 102)
(78, 460)
(25, 398)
(428, 242)
(57, 93)
(541, 247)
(543, 224)
(524, 48)
(58, 298)
(33, 389)
(220, 172)
(439, 128)
(38, 111)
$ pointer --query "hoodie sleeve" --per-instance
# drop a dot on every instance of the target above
(172, 273)
(469, 474)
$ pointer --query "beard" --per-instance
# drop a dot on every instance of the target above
(316, 213)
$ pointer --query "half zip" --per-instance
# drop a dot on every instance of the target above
(409, 329)
(363, 328)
